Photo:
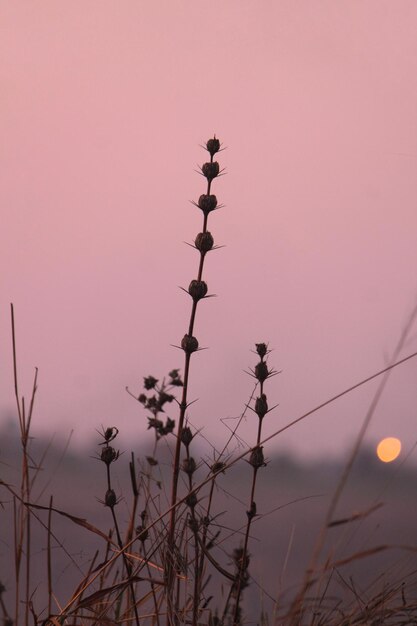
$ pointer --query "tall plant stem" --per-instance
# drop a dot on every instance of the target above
(189, 345)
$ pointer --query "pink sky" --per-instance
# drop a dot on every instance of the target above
(103, 107)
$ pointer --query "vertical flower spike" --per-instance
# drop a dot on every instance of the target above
(197, 290)
(261, 373)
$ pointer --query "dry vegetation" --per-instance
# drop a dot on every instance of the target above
(166, 558)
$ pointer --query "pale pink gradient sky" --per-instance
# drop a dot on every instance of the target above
(103, 105)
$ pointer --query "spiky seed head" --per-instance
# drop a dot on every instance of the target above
(164, 397)
(261, 406)
(193, 524)
(142, 533)
(207, 202)
(189, 466)
(149, 382)
(186, 436)
(108, 455)
(210, 170)
(257, 458)
(197, 289)
(191, 500)
(204, 242)
(189, 344)
(218, 466)
(110, 433)
(110, 498)
(175, 378)
(154, 422)
(261, 349)
(261, 371)
(213, 146)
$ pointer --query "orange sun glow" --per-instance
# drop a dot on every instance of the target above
(388, 449)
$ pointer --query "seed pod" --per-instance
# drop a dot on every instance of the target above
(110, 433)
(207, 203)
(210, 170)
(191, 500)
(218, 466)
(261, 349)
(193, 524)
(163, 398)
(257, 458)
(189, 466)
(142, 533)
(149, 382)
(261, 371)
(175, 378)
(213, 146)
(252, 511)
(110, 499)
(261, 406)
(153, 422)
(197, 289)
(108, 455)
(189, 344)
(204, 241)
(186, 436)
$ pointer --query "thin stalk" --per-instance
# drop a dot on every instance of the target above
(49, 560)
(261, 373)
(111, 502)
(208, 170)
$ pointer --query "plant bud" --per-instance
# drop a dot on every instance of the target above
(149, 382)
(204, 242)
(142, 533)
(186, 436)
(252, 511)
(213, 146)
(261, 406)
(110, 499)
(189, 344)
(193, 524)
(210, 170)
(110, 433)
(261, 371)
(191, 500)
(206, 202)
(108, 455)
(257, 458)
(197, 289)
(189, 466)
(261, 349)
(218, 466)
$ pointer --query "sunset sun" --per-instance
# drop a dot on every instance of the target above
(388, 449)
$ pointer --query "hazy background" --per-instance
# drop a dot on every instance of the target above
(103, 107)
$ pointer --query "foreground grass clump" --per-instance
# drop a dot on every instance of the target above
(167, 559)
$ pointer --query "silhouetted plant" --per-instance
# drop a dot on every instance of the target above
(158, 565)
